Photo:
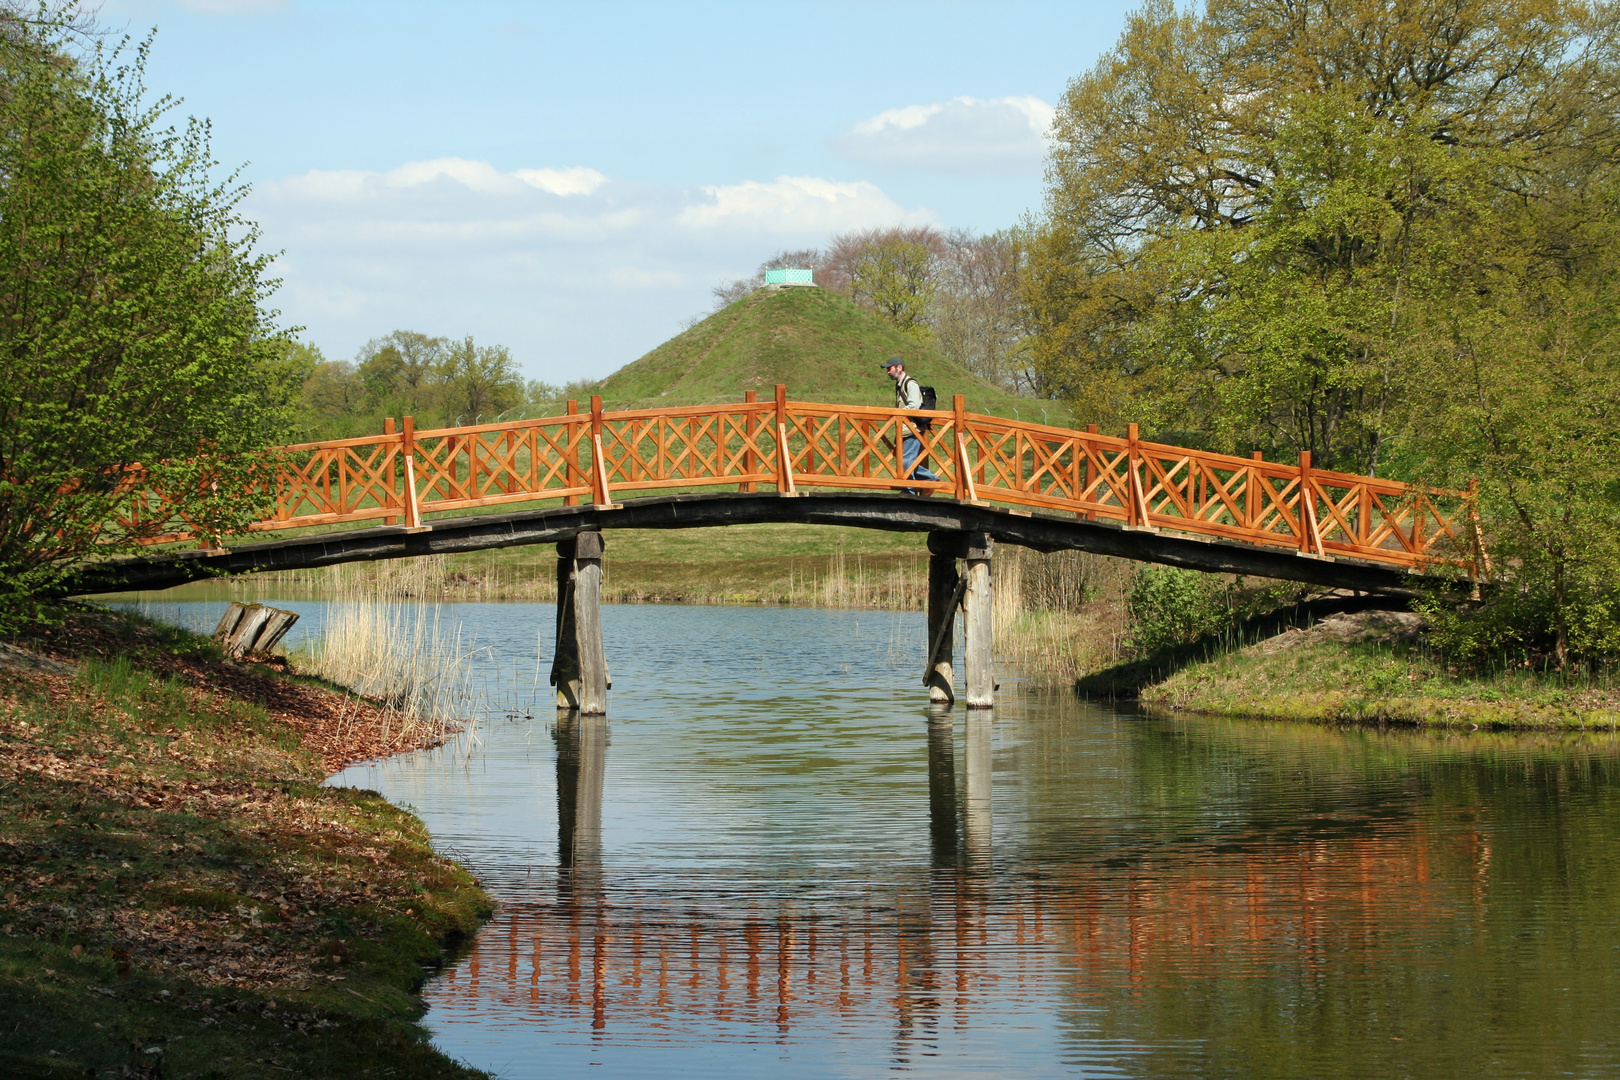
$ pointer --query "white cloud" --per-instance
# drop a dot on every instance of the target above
(795, 203)
(575, 181)
(479, 176)
(964, 135)
(577, 272)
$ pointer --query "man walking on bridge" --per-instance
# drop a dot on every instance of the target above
(908, 395)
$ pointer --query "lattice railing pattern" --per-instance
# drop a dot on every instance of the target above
(786, 446)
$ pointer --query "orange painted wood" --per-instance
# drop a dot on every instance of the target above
(824, 445)
(572, 460)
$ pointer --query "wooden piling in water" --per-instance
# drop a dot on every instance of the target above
(246, 628)
(945, 587)
(979, 619)
(593, 673)
(565, 658)
(579, 666)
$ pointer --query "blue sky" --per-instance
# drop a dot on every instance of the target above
(571, 180)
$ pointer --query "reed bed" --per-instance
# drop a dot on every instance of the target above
(854, 583)
(1059, 615)
(385, 641)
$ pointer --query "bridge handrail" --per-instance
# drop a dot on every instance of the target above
(597, 456)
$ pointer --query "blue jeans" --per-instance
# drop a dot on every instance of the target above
(910, 451)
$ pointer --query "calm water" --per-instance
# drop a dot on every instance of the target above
(771, 861)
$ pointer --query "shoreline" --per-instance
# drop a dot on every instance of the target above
(181, 893)
(1368, 669)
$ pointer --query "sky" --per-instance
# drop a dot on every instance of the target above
(573, 180)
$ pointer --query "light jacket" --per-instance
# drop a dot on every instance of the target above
(907, 393)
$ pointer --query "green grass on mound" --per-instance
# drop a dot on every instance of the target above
(821, 346)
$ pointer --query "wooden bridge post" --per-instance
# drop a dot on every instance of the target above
(978, 615)
(388, 429)
(945, 587)
(959, 437)
(1310, 539)
(565, 658)
(1091, 475)
(1133, 486)
(750, 428)
(571, 454)
(600, 493)
(579, 666)
(784, 456)
(407, 442)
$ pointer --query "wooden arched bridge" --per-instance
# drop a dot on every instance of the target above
(563, 479)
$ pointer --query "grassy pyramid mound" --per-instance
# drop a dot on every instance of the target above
(820, 345)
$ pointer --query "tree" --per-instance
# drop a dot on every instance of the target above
(1381, 233)
(332, 394)
(134, 348)
(976, 317)
(475, 383)
(398, 370)
(1247, 208)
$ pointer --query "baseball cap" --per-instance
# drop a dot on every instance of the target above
(893, 361)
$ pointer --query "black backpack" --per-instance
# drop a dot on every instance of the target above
(929, 401)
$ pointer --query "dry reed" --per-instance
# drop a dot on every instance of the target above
(397, 654)
(1059, 615)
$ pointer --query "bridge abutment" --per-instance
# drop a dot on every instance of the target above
(579, 665)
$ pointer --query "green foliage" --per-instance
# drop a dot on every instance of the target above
(400, 370)
(437, 381)
(1385, 235)
(134, 351)
(1166, 606)
(478, 382)
(892, 276)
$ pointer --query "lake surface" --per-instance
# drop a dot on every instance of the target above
(771, 860)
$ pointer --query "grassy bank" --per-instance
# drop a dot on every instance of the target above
(179, 895)
(1313, 677)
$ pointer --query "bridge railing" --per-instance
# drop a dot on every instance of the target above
(787, 446)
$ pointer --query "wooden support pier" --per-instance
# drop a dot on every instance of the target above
(970, 590)
(579, 665)
(978, 617)
(945, 587)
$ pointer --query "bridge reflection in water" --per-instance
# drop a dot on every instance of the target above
(964, 937)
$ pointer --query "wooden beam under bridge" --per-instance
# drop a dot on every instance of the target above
(893, 513)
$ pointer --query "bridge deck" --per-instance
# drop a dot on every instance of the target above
(897, 513)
